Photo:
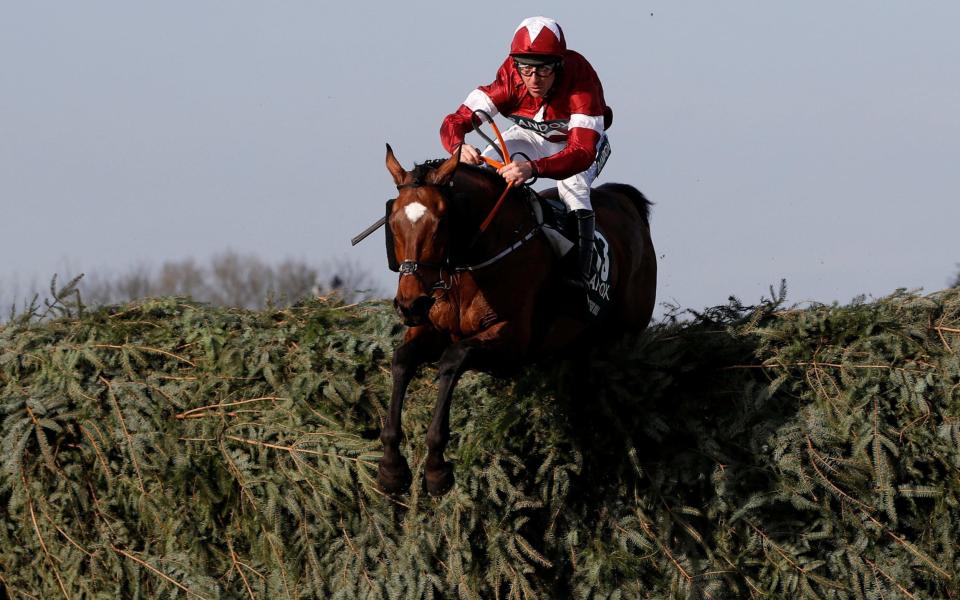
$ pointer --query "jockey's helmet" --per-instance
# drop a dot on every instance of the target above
(538, 41)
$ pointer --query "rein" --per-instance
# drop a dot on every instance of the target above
(503, 253)
(475, 118)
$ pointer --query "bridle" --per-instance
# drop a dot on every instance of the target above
(413, 267)
(410, 267)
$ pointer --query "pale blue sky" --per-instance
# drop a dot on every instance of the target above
(814, 141)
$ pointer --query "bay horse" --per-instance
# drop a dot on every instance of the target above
(491, 300)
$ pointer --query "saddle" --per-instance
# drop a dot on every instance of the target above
(559, 227)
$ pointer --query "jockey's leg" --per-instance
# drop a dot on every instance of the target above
(575, 194)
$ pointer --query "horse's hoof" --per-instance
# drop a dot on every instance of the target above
(439, 481)
(394, 478)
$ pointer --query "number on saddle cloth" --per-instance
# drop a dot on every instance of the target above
(598, 285)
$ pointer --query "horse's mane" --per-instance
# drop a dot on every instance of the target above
(469, 183)
(420, 171)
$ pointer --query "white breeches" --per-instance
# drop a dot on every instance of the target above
(574, 190)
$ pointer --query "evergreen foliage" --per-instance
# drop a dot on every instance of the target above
(165, 449)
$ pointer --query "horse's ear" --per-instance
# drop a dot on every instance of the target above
(393, 165)
(444, 173)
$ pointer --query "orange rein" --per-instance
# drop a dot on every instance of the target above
(497, 165)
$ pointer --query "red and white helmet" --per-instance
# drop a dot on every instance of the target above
(538, 38)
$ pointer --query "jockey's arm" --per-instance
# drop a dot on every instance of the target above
(453, 131)
(576, 157)
(490, 98)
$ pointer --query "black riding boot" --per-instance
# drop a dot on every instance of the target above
(585, 225)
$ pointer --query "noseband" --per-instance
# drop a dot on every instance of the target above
(410, 267)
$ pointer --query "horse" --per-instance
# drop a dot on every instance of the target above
(490, 300)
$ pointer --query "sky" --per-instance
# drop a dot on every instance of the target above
(817, 142)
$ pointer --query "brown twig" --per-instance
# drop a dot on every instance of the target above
(279, 556)
(911, 548)
(126, 433)
(244, 492)
(366, 575)
(43, 545)
(867, 510)
(236, 564)
(754, 590)
(188, 413)
(145, 349)
(96, 449)
(649, 531)
(345, 306)
(923, 417)
(33, 417)
(816, 364)
(836, 489)
(777, 548)
(294, 449)
(877, 569)
(173, 378)
(157, 571)
(940, 329)
(802, 570)
(64, 533)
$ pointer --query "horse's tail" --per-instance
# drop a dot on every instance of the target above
(636, 196)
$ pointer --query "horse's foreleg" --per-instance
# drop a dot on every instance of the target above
(456, 359)
(438, 472)
(420, 345)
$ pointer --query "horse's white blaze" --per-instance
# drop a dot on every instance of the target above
(414, 211)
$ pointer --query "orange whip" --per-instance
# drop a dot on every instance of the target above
(494, 163)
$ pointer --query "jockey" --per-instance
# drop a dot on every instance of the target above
(555, 100)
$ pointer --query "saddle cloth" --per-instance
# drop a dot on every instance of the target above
(561, 233)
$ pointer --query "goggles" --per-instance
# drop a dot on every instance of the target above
(541, 70)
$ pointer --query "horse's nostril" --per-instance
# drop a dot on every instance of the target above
(414, 312)
(421, 306)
